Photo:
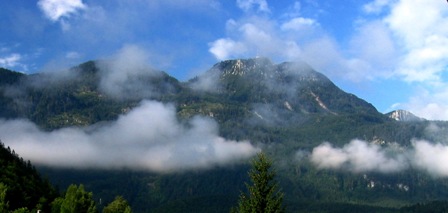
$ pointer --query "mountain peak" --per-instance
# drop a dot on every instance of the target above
(403, 115)
(241, 67)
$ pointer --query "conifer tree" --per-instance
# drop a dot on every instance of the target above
(264, 195)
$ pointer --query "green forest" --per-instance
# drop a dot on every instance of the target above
(23, 190)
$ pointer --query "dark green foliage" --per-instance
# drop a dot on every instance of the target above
(431, 207)
(264, 196)
(76, 199)
(25, 187)
(119, 205)
(214, 190)
(8, 77)
(76, 100)
(4, 204)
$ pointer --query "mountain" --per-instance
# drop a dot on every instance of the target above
(293, 86)
(287, 108)
(403, 115)
(267, 99)
(80, 96)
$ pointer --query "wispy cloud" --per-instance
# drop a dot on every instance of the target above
(249, 5)
(147, 138)
(125, 74)
(10, 60)
(376, 6)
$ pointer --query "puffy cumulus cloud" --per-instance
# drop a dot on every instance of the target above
(224, 48)
(420, 28)
(403, 39)
(357, 156)
(55, 9)
(147, 138)
(248, 5)
(361, 156)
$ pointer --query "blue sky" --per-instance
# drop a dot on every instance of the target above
(392, 53)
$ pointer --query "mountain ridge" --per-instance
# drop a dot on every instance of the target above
(287, 109)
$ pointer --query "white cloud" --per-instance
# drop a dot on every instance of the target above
(55, 9)
(11, 60)
(125, 74)
(298, 24)
(147, 138)
(252, 37)
(324, 55)
(360, 156)
(294, 37)
(226, 48)
(431, 158)
(207, 82)
(376, 6)
(373, 43)
(357, 156)
(429, 102)
(325, 156)
(72, 55)
(248, 5)
(422, 27)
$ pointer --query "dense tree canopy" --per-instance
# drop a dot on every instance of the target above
(119, 205)
(21, 184)
(76, 199)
